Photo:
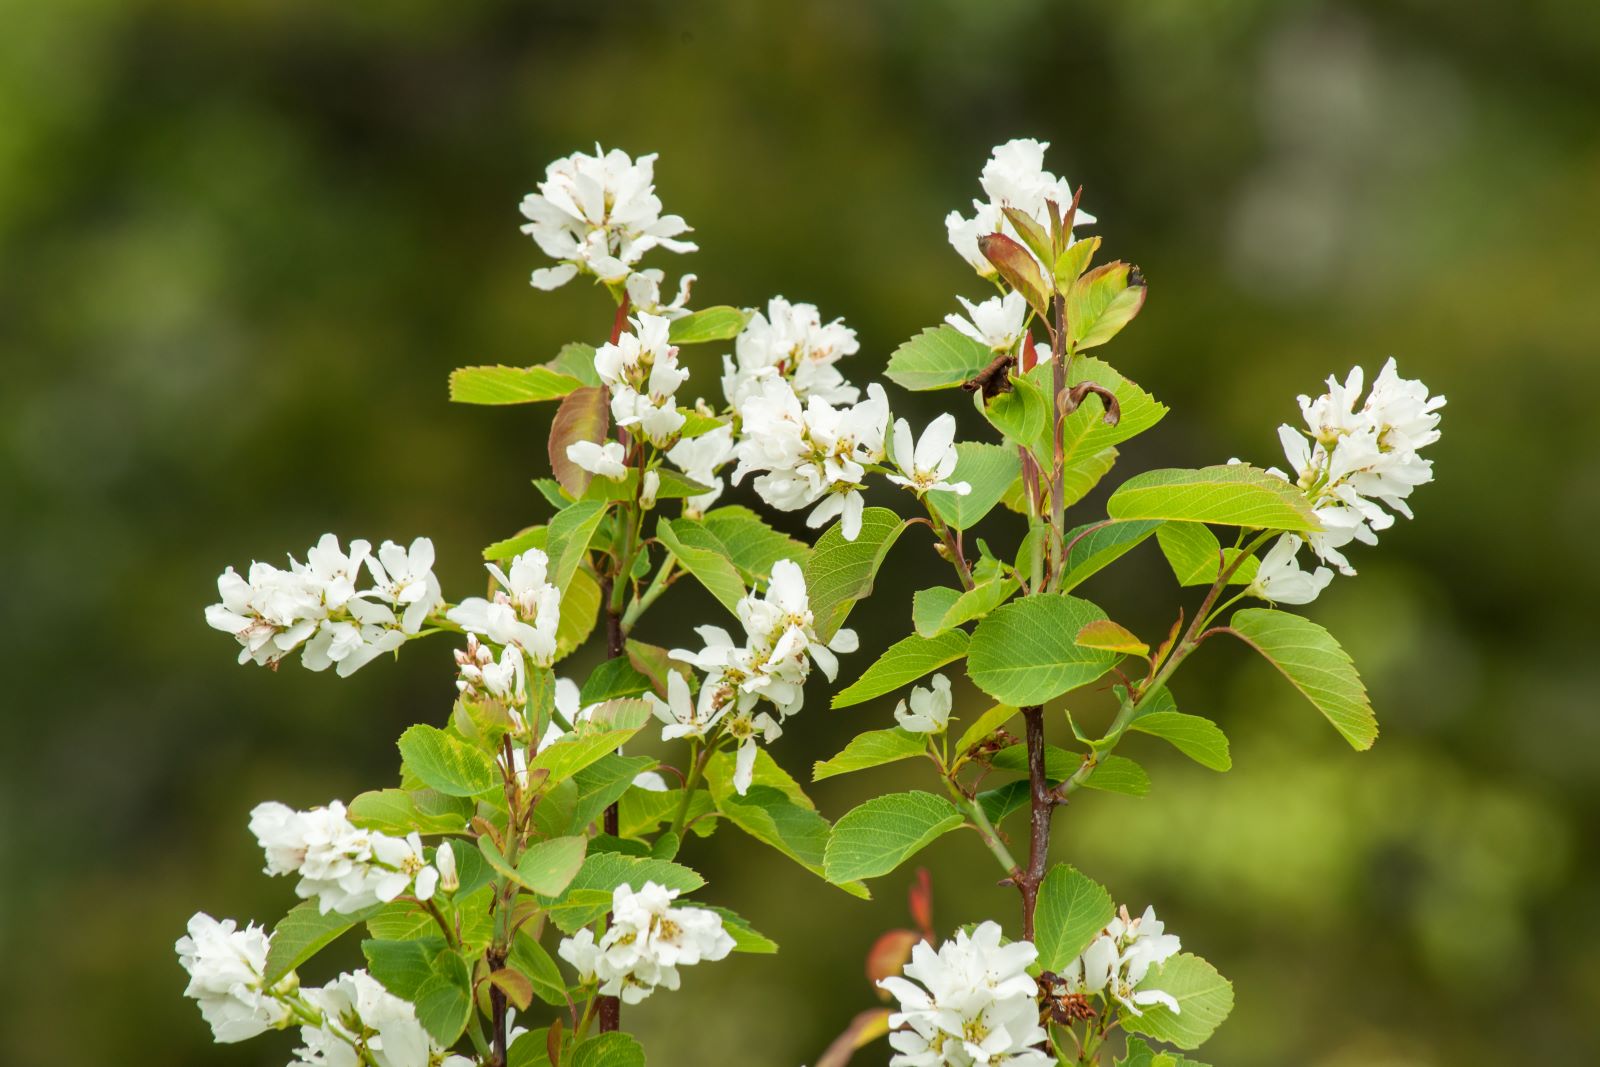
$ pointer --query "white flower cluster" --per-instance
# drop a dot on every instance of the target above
(811, 453)
(525, 613)
(645, 944)
(790, 341)
(780, 645)
(642, 370)
(701, 458)
(1354, 459)
(363, 1023)
(1117, 961)
(316, 604)
(227, 968)
(1014, 177)
(343, 867)
(930, 708)
(926, 463)
(976, 1004)
(599, 215)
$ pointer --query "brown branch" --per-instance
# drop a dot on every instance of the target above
(1042, 802)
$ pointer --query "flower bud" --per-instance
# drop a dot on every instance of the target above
(648, 488)
(444, 858)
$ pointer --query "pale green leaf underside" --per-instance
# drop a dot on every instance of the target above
(703, 555)
(1315, 663)
(989, 470)
(1230, 495)
(841, 572)
(509, 385)
(1198, 738)
(940, 357)
(871, 749)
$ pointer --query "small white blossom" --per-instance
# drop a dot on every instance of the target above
(483, 677)
(930, 708)
(645, 944)
(341, 866)
(1280, 578)
(607, 460)
(227, 968)
(1118, 960)
(525, 611)
(644, 293)
(927, 464)
(1013, 177)
(642, 370)
(599, 215)
(975, 1004)
(362, 1022)
(790, 342)
(701, 458)
(403, 578)
(998, 322)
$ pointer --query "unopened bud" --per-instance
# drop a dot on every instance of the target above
(445, 860)
(648, 488)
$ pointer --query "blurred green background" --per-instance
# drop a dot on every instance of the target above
(242, 243)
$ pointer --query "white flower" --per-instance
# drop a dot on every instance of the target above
(270, 614)
(525, 611)
(926, 464)
(362, 1022)
(483, 677)
(404, 579)
(975, 1004)
(811, 454)
(644, 293)
(791, 342)
(680, 714)
(605, 460)
(1355, 461)
(343, 867)
(1013, 177)
(998, 322)
(1280, 579)
(930, 708)
(701, 458)
(226, 968)
(1119, 959)
(642, 370)
(645, 944)
(598, 215)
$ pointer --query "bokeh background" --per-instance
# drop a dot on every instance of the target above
(241, 245)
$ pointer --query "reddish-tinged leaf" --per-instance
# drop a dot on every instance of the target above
(888, 955)
(864, 1029)
(921, 897)
(582, 416)
(515, 985)
(1112, 637)
(1033, 234)
(1018, 267)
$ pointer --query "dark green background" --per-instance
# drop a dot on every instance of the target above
(242, 243)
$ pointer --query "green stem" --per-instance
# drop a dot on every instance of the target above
(700, 756)
(658, 585)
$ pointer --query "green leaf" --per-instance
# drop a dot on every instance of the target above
(532, 961)
(570, 532)
(1111, 636)
(700, 553)
(304, 932)
(772, 817)
(609, 1050)
(402, 966)
(1198, 738)
(582, 416)
(517, 543)
(1096, 546)
(1082, 474)
(445, 763)
(1230, 495)
(1314, 662)
(613, 723)
(720, 772)
(1059, 764)
(589, 895)
(509, 385)
(576, 360)
(937, 610)
(1072, 910)
(1024, 652)
(1101, 303)
(580, 608)
(1142, 1055)
(1118, 774)
(1072, 261)
(611, 679)
(444, 1001)
(1004, 801)
(878, 836)
(671, 485)
(1204, 1000)
(989, 470)
(1085, 432)
(1022, 413)
(708, 324)
(752, 545)
(940, 357)
(746, 938)
(603, 783)
(395, 811)
(840, 572)
(872, 749)
(984, 725)
(1018, 267)
(902, 662)
(548, 867)
(1194, 553)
